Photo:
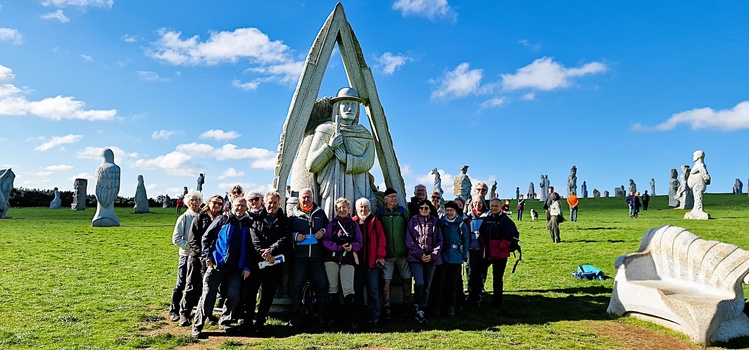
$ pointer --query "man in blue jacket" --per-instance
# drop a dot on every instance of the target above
(224, 253)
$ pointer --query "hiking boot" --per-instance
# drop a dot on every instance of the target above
(451, 311)
(173, 317)
(198, 334)
(420, 317)
(387, 312)
(184, 321)
(212, 320)
(436, 313)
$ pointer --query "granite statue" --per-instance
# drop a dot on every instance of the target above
(201, 181)
(462, 184)
(584, 187)
(437, 183)
(684, 194)
(517, 192)
(544, 186)
(596, 193)
(652, 187)
(673, 186)
(141, 198)
(619, 192)
(493, 191)
(107, 188)
(632, 186)
(697, 181)
(738, 186)
(7, 176)
(606, 194)
(572, 181)
(56, 202)
(531, 191)
(167, 202)
(79, 194)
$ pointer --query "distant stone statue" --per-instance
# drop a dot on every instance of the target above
(184, 192)
(596, 193)
(673, 186)
(437, 181)
(543, 187)
(167, 201)
(79, 194)
(141, 198)
(619, 191)
(652, 187)
(632, 186)
(493, 191)
(606, 194)
(738, 186)
(517, 192)
(201, 181)
(697, 181)
(107, 188)
(572, 181)
(56, 202)
(684, 193)
(531, 191)
(7, 176)
(585, 190)
(462, 184)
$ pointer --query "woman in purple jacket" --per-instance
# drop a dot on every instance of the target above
(342, 241)
(424, 242)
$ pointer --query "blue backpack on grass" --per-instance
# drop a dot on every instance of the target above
(588, 272)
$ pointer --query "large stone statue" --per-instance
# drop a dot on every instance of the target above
(585, 190)
(619, 191)
(531, 191)
(7, 176)
(167, 202)
(632, 186)
(107, 188)
(56, 202)
(652, 187)
(341, 154)
(572, 181)
(684, 194)
(141, 198)
(493, 191)
(738, 186)
(462, 184)
(606, 194)
(697, 181)
(201, 181)
(437, 184)
(596, 193)
(517, 191)
(79, 194)
(673, 186)
(544, 186)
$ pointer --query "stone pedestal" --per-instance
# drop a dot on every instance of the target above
(697, 215)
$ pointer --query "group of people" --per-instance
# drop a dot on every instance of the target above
(635, 202)
(232, 255)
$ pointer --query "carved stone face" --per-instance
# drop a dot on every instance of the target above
(348, 109)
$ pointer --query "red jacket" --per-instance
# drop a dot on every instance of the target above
(374, 240)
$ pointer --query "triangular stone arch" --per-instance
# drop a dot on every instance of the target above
(338, 30)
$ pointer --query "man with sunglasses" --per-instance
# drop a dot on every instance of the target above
(195, 264)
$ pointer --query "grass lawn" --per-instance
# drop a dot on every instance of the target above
(65, 284)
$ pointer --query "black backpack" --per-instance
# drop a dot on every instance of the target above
(309, 301)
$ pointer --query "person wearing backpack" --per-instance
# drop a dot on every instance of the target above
(454, 252)
(496, 234)
(394, 218)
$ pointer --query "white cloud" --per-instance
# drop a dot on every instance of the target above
(247, 186)
(61, 167)
(460, 82)
(79, 3)
(150, 76)
(58, 15)
(175, 163)
(493, 102)
(448, 183)
(12, 35)
(219, 135)
(528, 97)
(389, 62)
(96, 153)
(267, 163)
(86, 176)
(12, 102)
(227, 151)
(162, 134)
(735, 118)
(231, 172)
(57, 141)
(431, 9)
(129, 38)
(44, 173)
(87, 58)
(283, 73)
(248, 86)
(528, 45)
(545, 74)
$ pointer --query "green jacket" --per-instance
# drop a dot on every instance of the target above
(394, 225)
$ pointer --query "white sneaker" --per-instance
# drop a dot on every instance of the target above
(420, 317)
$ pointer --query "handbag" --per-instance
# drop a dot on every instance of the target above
(560, 219)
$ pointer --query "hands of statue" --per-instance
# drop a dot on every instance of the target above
(336, 141)
(340, 154)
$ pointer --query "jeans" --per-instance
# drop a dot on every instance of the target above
(369, 278)
(498, 272)
(231, 279)
(312, 268)
(194, 286)
(573, 214)
(520, 215)
(180, 285)
(422, 273)
(266, 281)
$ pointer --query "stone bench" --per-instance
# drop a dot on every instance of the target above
(683, 282)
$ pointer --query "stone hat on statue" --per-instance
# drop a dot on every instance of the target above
(347, 93)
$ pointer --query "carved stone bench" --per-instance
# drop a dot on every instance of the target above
(683, 282)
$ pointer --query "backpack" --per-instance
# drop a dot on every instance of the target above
(309, 301)
(588, 272)
(401, 210)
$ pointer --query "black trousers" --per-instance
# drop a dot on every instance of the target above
(480, 267)
(265, 281)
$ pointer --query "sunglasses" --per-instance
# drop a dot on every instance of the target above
(436, 197)
(423, 208)
(254, 199)
(217, 203)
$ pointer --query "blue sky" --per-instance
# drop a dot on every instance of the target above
(513, 89)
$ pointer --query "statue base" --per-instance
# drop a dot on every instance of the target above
(697, 215)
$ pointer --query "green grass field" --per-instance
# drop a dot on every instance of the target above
(67, 285)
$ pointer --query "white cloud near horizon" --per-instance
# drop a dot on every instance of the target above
(79, 3)
(12, 35)
(61, 167)
(57, 141)
(58, 15)
(162, 134)
(731, 119)
(545, 74)
(174, 163)
(96, 153)
(14, 103)
(389, 62)
(227, 151)
(431, 9)
(219, 135)
(265, 164)
(457, 83)
(231, 172)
